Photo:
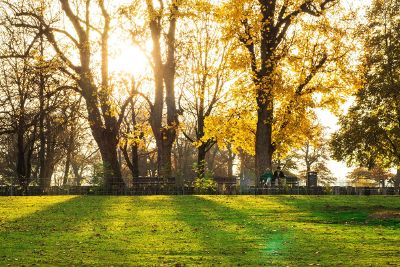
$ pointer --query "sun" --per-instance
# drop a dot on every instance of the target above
(128, 58)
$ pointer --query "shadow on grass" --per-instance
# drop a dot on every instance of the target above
(358, 210)
(66, 233)
(230, 236)
(337, 231)
(100, 231)
(200, 230)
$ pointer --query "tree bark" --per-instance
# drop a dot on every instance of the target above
(164, 78)
(133, 161)
(77, 172)
(134, 147)
(21, 165)
(44, 184)
(201, 161)
(70, 150)
(396, 180)
(264, 147)
(111, 168)
(231, 158)
(66, 171)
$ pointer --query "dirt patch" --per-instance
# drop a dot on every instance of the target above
(381, 207)
(382, 215)
(378, 207)
(339, 208)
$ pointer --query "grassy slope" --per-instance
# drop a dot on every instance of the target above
(198, 230)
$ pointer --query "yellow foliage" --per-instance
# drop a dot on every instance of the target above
(315, 67)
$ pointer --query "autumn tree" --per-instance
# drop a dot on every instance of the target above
(158, 21)
(314, 155)
(75, 45)
(369, 177)
(206, 72)
(130, 144)
(135, 130)
(271, 32)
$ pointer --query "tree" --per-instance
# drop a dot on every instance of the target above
(130, 145)
(314, 154)
(136, 129)
(103, 117)
(37, 107)
(267, 29)
(184, 155)
(368, 177)
(18, 118)
(164, 78)
(206, 71)
(160, 24)
(370, 132)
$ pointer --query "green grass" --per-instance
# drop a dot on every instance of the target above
(199, 230)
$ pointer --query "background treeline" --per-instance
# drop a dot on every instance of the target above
(227, 87)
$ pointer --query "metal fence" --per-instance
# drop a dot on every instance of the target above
(189, 189)
(320, 190)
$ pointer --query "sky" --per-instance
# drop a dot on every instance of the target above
(330, 121)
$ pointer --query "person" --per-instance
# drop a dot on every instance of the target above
(266, 178)
(279, 176)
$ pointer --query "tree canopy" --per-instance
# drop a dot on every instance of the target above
(201, 87)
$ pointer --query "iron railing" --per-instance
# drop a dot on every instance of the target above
(190, 190)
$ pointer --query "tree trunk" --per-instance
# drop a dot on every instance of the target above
(42, 143)
(164, 77)
(308, 168)
(111, 167)
(202, 149)
(70, 149)
(67, 167)
(165, 166)
(47, 169)
(396, 180)
(211, 159)
(21, 166)
(169, 131)
(28, 161)
(242, 165)
(264, 148)
(231, 158)
(105, 134)
(135, 160)
(77, 173)
(43, 179)
(274, 27)
(201, 161)
(134, 147)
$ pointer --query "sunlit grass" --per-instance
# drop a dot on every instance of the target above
(199, 230)
(12, 208)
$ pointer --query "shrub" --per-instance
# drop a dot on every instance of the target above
(205, 185)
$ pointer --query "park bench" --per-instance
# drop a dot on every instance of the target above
(226, 185)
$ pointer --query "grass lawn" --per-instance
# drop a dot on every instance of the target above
(200, 230)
